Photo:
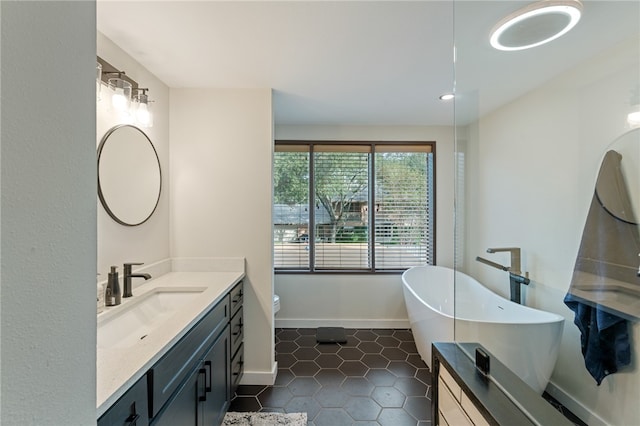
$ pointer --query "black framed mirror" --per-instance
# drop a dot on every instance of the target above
(129, 175)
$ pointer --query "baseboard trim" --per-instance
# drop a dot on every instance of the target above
(346, 323)
(583, 412)
(267, 378)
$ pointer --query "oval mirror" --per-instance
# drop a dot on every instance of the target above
(129, 175)
(618, 184)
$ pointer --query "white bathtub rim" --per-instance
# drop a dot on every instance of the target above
(550, 316)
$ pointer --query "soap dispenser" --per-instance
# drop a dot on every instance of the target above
(113, 296)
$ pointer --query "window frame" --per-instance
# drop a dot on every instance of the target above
(371, 178)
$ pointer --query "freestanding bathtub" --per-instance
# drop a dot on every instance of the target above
(526, 340)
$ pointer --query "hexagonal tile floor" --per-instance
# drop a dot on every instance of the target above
(376, 378)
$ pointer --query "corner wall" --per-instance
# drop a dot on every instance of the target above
(221, 189)
(48, 213)
(312, 300)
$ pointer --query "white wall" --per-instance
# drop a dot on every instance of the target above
(148, 242)
(311, 300)
(221, 190)
(531, 170)
(48, 214)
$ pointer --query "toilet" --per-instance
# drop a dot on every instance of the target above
(276, 304)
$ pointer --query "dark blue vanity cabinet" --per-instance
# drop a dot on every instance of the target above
(203, 398)
(192, 384)
(237, 337)
(131, 409)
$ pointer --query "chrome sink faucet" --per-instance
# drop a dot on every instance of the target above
(127, 278)
(514, 267)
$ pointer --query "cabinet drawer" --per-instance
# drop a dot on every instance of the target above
(443, 421)
(237, 368)
(450, 408)
(174, 367)
(237, 297)
(446, 377)
(131, 409)
(472, 411)
(237, 331)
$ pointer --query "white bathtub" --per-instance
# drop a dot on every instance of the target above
(524, 339)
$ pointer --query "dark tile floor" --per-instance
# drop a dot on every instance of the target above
(376, 378)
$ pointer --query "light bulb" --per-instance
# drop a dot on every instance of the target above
(121, 97)
(119, 101)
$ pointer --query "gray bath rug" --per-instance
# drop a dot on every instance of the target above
(265, 419)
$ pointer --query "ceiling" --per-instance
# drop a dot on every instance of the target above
(352, 62)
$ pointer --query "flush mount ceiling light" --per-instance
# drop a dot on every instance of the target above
(536, 24)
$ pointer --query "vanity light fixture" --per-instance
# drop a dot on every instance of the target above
(142, 109)
(126, 96)
(446, 96)
(536, 24)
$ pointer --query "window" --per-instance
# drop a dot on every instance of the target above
(353, 206)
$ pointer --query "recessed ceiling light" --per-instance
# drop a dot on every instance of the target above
(446, 97)
(536, 24)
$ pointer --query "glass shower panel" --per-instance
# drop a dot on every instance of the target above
(534, 131)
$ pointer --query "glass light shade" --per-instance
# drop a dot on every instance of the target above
(121, 96)
(98, 81)
(143, 113)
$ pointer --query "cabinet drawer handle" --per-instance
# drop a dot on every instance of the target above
(207, 387)
(132, 420)
(202, 371)
(239, 326)
(239, 368)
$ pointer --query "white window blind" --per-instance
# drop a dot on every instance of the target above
(353, 206)
(403, 224)
(341, 188)
(291, 208)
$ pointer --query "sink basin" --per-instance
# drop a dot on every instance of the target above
(125, 325)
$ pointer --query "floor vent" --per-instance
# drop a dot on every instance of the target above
(330, 335)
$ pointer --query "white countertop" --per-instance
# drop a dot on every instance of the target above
(119, 368)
